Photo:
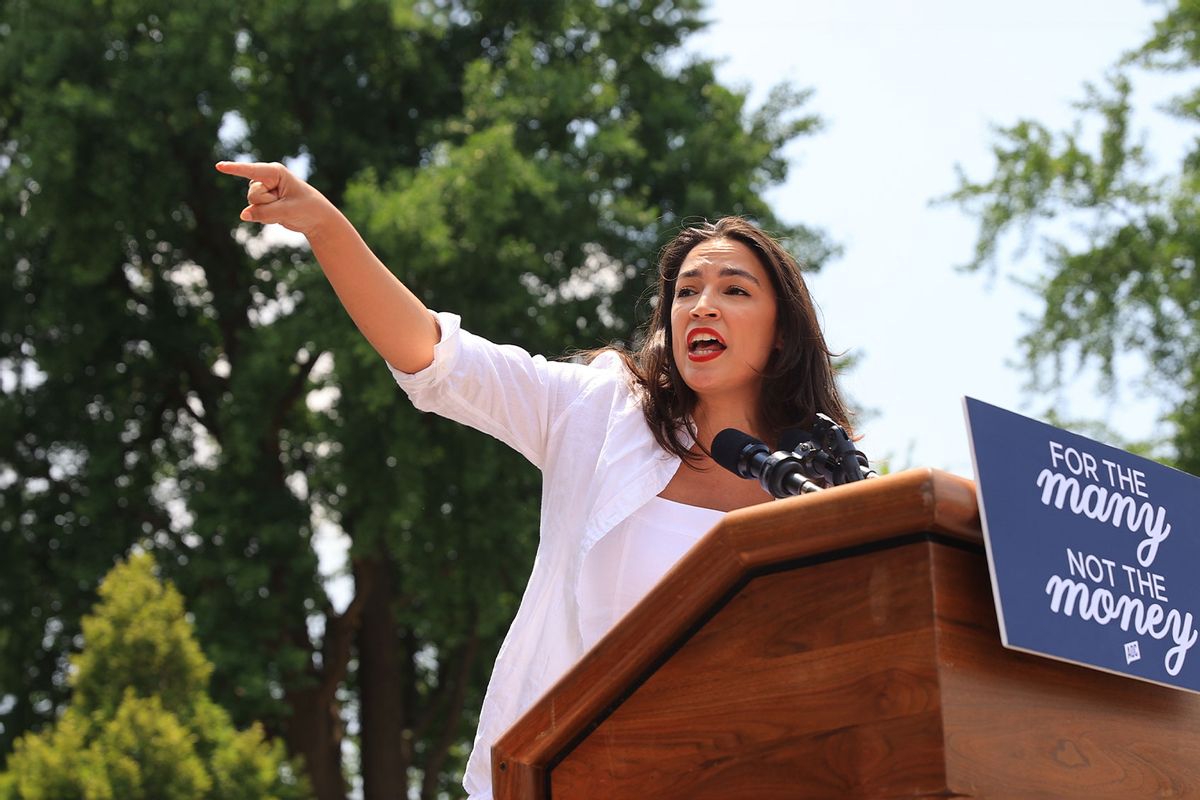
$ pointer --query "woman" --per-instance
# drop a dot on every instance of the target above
(628, 485)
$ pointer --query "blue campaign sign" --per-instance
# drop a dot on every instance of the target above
(1093, 551)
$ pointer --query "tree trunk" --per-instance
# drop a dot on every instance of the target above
(385, 752)
(454, 687)
(314, 731)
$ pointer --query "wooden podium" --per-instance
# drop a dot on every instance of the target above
(841, 645)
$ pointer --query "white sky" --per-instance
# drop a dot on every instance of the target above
(907, 90)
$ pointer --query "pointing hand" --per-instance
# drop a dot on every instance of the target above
(277, 195)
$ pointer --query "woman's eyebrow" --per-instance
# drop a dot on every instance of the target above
(726, 272)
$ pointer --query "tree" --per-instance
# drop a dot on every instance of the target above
(515, 163)
(1124, 277)
(140, 723)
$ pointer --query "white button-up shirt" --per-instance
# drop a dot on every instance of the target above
(583, 427)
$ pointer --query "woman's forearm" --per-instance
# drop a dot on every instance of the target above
(394, 320)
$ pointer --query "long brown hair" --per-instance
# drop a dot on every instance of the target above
(798, 381)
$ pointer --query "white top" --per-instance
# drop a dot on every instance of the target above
(626, 564)
(583, 427)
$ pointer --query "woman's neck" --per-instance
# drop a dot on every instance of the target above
(712, 417)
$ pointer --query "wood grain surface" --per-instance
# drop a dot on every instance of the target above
(721, 719)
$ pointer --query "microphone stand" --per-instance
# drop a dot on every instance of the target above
(827, 453)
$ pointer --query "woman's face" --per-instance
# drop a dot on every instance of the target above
(723, 320)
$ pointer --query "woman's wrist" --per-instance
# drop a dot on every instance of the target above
(328, 223)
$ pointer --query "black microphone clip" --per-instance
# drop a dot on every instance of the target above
(828, 452)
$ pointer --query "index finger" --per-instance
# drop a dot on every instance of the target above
(268, 174)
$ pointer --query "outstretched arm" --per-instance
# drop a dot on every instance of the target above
(393, 319)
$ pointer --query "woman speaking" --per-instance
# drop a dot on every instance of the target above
(622, 441)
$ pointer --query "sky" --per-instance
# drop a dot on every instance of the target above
(909, 90)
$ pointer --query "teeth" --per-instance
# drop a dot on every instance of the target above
(701, 342)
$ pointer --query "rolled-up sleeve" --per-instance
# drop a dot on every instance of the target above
(445, 355)
(501, 390)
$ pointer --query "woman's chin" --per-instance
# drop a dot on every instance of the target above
(714, 385)
(704, 382)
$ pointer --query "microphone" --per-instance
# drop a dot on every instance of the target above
(780, 473)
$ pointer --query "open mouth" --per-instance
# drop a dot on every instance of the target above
(704, 343)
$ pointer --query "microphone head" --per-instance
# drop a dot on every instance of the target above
(730, 446)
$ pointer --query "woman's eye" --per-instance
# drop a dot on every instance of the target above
(737, 290)
(685, 291)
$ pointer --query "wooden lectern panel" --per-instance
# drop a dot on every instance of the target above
(811, 639)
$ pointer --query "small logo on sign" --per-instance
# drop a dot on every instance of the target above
(1132, 652)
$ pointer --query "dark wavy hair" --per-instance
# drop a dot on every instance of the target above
(798, 381)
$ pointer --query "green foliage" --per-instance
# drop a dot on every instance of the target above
(141, 634)
(517, 163)
(140, 725)
(1122, 251)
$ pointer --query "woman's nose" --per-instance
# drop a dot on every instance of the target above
(703, 308)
